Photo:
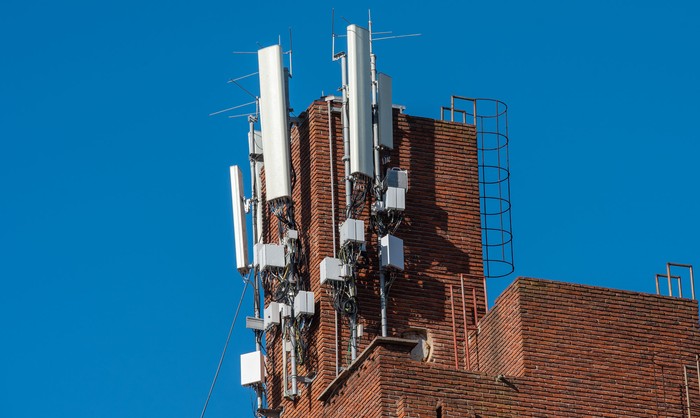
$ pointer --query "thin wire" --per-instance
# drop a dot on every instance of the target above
(397, 36)
(233, 108)
(243, 88)
(223, 353)
(242, 77)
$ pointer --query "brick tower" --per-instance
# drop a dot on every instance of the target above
(546, 349)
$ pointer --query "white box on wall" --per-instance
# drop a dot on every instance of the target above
(395, 198)
(352, 231)
(304, 304)
(330, 269)
(270, 256)
(272, 314)
(392, 252)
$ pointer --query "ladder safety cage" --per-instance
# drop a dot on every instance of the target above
(490, 120)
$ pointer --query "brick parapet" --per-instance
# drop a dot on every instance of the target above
(582, 383)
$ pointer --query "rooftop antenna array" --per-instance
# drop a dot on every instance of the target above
(278, 268)
(282, 265)
(367, 137)
(241, 206)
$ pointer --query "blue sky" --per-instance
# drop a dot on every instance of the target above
(116, 249)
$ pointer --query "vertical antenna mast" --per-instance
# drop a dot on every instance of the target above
(342, 56)
(255, 209)
(375, 134)
(377, 178)
(388, 192)
(333, 34)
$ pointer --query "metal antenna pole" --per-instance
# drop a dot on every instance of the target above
(353, 337)
(331, 141)
(346, 132)
(348, 182)
(375, 118)
(255, 210)
(377, 178)
(293, 357)
(285, 372)
(333, 34)
(258, 183)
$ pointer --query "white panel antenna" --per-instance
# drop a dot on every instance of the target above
(274, 123)
(252, 368)
(240, 232)
(360, 102)
(386, 112)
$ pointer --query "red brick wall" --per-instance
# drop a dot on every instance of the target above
(587, 382)
(441, 233)
(498, 346)
(620, 348)
(359, 396)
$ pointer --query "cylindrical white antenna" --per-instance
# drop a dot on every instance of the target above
(274, 123)
(359, 101)
(240, 232)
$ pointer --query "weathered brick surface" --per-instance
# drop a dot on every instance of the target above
(564, 350)
(498, 346)
(622, 351)
(630, 367)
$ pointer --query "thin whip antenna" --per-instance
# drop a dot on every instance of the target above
(335, 56)
(291, 48)
(333, 34)
(243, 52)
(241, 78)
(369, 24)
(232, 108)
(223, 353)
(397, 36)
(244, 89)
(371, 33)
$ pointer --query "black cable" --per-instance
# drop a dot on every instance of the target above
(223, 353)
